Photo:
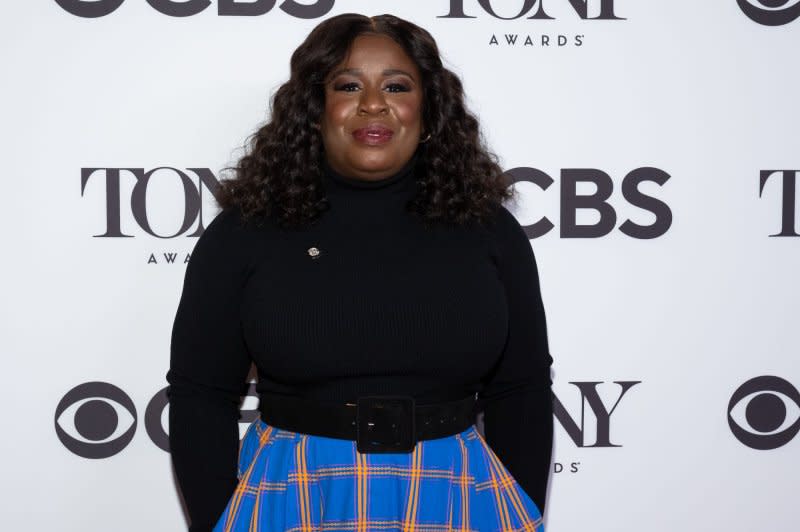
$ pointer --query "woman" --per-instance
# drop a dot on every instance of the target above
(364, 262)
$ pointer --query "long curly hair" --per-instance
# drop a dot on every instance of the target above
(280, 174)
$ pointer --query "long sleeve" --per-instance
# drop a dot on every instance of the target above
(208, 369)
(516, 399)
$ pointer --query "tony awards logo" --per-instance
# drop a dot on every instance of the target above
(788, 187)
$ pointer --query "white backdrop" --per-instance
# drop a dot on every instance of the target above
(697, 90)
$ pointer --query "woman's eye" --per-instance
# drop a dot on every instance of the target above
(347, 87)
(397, 87)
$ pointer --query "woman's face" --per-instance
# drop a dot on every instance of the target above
(372, 121)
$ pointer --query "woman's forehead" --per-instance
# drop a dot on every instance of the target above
(374, 53)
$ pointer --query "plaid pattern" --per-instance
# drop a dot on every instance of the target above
(302, 483)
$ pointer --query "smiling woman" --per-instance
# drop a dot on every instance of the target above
(281, 176)
(373, 109)
(364, 262)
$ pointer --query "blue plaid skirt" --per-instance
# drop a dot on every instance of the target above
(296, 482)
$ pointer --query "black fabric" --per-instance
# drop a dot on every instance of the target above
(386, 305)
(347, 420)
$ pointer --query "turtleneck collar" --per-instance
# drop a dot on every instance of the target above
(399, 180)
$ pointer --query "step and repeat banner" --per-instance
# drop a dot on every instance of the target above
(655, 149)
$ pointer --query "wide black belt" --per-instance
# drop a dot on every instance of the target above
(378, 424)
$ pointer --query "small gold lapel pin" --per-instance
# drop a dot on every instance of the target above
(314, 253)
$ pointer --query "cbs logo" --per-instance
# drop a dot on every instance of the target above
(572, 201)
(771, 12)
(764, 412)
(188, 8)
(98, 420)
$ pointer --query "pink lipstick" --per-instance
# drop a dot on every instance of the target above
(373, 134)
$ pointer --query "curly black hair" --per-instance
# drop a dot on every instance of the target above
(280, 174)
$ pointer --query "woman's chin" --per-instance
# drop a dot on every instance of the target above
(376, 168)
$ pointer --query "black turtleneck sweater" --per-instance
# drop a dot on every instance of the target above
(387, 306)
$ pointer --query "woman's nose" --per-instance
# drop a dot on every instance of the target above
(372, 101)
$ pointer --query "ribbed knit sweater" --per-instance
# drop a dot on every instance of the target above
(384, 305)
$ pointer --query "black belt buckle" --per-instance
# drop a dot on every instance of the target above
(385, 424)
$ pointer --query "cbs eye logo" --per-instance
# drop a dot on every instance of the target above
(98, 420)
(771, 12)
(764, 412)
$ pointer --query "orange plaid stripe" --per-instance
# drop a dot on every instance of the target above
(302, 488)
(410, 522)
(378, 470)
(362, 473)
(244, 483)
(464, 481)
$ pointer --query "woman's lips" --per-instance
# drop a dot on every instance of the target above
(373, 135)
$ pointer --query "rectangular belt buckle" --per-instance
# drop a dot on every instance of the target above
(385, 424)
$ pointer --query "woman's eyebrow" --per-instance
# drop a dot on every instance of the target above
(394, 71)
(352, 71)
